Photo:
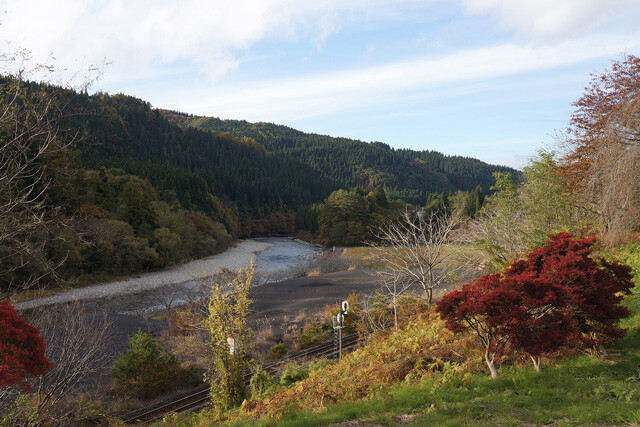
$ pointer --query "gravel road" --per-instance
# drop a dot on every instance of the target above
(233, 259)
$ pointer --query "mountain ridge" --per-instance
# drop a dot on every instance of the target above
(407, 174)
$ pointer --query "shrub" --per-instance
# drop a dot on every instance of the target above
(261, 383)
(146, 368)
(292, 374)
(559, 295)
(312, 335)
(278, 350)
(22, 349)
(193, 375)
(318, 364)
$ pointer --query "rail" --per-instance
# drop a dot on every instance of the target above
(201, 397)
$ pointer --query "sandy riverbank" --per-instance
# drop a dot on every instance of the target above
(232, 259)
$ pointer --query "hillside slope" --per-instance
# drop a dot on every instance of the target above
(406, 174)
(127, 133)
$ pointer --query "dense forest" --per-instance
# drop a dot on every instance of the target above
(250, 185)
(405, 174)
(122, 188)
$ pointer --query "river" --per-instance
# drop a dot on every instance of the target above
(275, 259)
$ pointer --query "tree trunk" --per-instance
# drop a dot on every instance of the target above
(491, 364)
(602, 351)
(395, 312)
(536, 362)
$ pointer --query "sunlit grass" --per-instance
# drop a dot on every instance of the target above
(577, 390)
(584, 390)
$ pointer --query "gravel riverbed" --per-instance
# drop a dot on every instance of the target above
(232, 259)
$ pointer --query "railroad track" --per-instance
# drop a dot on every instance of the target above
(200, 398)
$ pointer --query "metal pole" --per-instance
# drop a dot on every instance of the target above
(340, 344)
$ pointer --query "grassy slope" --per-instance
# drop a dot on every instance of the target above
(578, 391)
(400, 378)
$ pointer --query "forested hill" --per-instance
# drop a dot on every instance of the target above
(127, 133)
(407, 174)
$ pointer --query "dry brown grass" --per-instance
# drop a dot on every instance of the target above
(265, 336)
(422, 349)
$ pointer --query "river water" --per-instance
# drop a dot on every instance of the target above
(284, 257)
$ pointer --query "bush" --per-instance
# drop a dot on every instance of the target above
(312, 335)
(318, 364)
(193, 375)
(261, 383)
(278, 350)
(146, 368)
(293, 373)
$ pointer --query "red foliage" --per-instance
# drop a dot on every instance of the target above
(559, 293)
(605, 98)
(22, 349)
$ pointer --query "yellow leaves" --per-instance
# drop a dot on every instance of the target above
(229, 337)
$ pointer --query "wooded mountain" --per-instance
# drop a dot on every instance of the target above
(127, 133)
(407, 174)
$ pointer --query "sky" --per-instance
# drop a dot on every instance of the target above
(490, 79)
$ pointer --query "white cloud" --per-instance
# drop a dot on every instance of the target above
(558, 19)
(317, 95)
(138, 34)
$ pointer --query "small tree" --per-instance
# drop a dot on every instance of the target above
(77, 344)
(559, 293)
(146, 368)
(22, 349)
(229, 339)
(486, 308)
(415, 250)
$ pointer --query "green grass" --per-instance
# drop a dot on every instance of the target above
(584, 390)
(579, 390)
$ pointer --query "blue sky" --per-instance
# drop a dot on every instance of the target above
(492, 79)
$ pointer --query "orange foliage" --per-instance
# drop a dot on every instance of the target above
(417, 351)
(605, 101)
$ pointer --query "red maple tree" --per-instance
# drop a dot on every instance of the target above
(558, 294)
(22, 349)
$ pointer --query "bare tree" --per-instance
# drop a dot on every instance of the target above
(416, 251)
(168, 297)
(30, 134)
(503, 233)
(394, 286)
(375, 313)
(615, 170)
(77, 344)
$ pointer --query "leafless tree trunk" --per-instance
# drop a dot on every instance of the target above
(77, 344)
(394, 286)
(416, 250)
(491, 364)
(30, 134)
(615, 172)
(536, 363)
